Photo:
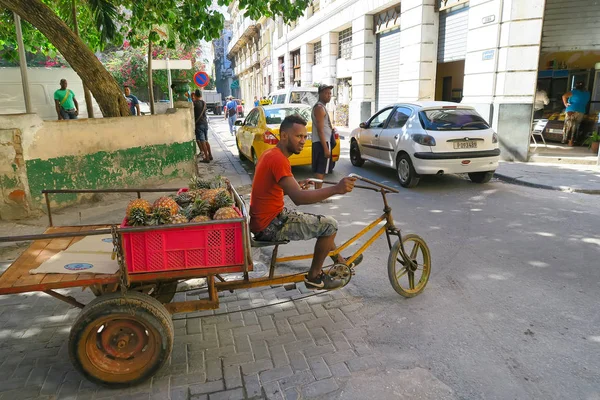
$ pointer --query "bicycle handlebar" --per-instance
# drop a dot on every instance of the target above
(374, 183)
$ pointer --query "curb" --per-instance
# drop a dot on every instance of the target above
(237, 165)
(565, 189)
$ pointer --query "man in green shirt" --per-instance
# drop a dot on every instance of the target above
(65, 102)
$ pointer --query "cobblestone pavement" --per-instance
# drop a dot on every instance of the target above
(307, 348)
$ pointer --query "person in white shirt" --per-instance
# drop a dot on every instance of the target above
(541, 100)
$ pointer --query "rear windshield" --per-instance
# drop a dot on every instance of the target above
(452, 119)
(308, 98)
(277, 115)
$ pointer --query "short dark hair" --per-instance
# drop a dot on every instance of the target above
(290, 120)
(125, 86)
(198, 93)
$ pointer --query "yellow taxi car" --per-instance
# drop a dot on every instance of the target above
(260, 132)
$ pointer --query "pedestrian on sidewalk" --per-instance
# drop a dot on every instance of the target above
(323, 136)
(576, 102)
(231, 114)
(201, 124)
(256, 102)
(132, 101)
(65, 102)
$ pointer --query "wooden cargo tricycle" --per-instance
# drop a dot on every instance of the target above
(125, 335)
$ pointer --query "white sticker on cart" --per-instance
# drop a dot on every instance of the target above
(78, 263)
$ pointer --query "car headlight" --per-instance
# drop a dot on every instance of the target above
(425, 140)
(495, 138)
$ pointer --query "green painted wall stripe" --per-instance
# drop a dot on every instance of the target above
(103, 170)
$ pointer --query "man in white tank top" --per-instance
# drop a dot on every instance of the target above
(322, 132)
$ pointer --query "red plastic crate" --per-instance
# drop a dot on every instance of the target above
(218, 244)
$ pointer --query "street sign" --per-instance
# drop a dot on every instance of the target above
(172, 64)
(201, 79)
(169, 65)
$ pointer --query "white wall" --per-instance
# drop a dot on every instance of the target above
(43, 82)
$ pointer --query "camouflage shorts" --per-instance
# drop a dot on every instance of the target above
(294, 225)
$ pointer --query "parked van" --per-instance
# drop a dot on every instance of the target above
(301, 95)
(43, 82)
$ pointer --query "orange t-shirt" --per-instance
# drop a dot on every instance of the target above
(266, 199)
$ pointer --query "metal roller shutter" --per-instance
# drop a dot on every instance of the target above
(452, 39)
(388, 67)
(571, 25)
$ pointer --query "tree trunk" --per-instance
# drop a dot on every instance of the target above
(150, 83)
(83, 61)
(86, 92)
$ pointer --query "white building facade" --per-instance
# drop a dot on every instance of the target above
(487, 53)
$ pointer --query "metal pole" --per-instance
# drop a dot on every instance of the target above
(23, 64)
(169, 83)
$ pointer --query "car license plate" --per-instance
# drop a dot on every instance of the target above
(465, 145)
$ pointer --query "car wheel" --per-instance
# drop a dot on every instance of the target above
(254, 157)
(481, 177)
(240, 154)
(355, 157)
(406, 172)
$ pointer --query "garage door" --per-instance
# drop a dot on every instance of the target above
(388, 67)
(452, 39)
(571, 25)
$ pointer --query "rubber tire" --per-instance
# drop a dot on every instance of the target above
(143, 306)
(254, 158)
(392, 259)
(413, 178)
(356, 160)
(481, 177)
(164, 294)
(218, 110)
(240, 154)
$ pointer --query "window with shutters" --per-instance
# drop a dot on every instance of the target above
(317, 52)
(345, 44)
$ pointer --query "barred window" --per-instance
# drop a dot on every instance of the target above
(317, 52)
(345, 44)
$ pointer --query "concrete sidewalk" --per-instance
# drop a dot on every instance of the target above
(563, 177)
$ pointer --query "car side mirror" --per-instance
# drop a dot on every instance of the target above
(363, 125)
(239, 122)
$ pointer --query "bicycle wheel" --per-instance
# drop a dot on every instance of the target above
(404, 277)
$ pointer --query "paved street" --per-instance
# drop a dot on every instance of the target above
(510, 311)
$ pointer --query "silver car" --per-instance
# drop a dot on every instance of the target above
(427, 138)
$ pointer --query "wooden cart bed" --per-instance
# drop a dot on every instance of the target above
(17, 279)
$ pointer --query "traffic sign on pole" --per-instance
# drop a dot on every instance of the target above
(201, 79)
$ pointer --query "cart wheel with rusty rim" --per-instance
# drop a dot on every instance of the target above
(121, 340)
(409, 272)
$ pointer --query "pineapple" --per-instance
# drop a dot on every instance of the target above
(160, 216)
(178, 219)
(138, 204)
(137, 217)
(222, 199)
(168, 204)
(198, 207)
(183, 199)
(196, 194)
(210, 195)
(214, 183)
(201, 218)
(227, 213)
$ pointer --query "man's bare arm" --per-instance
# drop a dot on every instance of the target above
(302, 197)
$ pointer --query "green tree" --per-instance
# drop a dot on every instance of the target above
(190, 20)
